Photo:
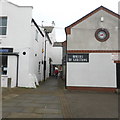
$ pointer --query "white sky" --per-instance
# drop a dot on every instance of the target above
(64, 12)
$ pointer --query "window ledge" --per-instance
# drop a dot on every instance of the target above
(2, 36)
(4, 75)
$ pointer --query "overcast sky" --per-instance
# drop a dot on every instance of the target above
(63, 12)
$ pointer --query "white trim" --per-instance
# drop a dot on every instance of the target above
(19, 6)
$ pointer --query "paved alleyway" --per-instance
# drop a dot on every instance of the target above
(51, 100)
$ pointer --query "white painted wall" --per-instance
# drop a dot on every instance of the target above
(99, 72)
(21, 37)
(18, 37)
(56, 55)
(12, 69)
(24, 68)
(36, 48)
(19, 26)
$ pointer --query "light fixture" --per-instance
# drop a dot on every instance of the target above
(102, 19)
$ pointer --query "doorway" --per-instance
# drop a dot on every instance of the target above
(3, 64)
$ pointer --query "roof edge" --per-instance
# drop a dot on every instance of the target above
(20, 6)
(67, 29)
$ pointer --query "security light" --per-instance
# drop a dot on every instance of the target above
(102, 19)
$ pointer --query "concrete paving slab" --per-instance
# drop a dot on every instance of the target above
(9, 104)
(24, 115)
(5, 114)
(50, 115)
(32, 104)
(28, 110)
(53, 106)
(12, 109)
(46, 110)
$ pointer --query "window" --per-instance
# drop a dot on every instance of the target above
(3, 25)
(36, 36)
(102, 34)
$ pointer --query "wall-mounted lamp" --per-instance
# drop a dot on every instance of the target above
(102, 19)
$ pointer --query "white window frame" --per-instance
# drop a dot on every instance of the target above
(4, 26)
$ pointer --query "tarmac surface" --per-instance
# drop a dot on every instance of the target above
(52, 100)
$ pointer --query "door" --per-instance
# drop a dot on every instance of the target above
(3, 64)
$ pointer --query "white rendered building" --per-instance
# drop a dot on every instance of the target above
(92, 50)
(21, 43)
(26, 49)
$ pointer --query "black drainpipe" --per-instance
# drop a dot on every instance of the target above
(17, 70)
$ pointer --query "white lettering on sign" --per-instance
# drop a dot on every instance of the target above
(115, 56)
(78, 57)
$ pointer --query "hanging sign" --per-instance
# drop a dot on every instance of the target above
(78, 57)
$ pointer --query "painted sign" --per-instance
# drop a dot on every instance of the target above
(6, 50)
(115, 56)
(78, 57)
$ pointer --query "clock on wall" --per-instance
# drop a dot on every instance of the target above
(102, 34)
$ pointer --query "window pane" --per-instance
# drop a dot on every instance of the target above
(3, 21)
(0, 21)
(36, 36)
(3, 30)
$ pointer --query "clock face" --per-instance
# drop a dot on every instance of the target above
(102, 34)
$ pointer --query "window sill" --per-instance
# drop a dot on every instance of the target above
(3, 36)
(4, 75)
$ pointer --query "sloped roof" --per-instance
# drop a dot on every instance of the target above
(68, 28)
